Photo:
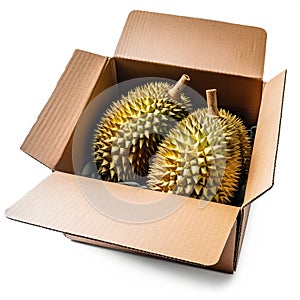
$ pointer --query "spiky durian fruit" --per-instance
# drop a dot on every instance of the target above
(203, 156)
(132, 128)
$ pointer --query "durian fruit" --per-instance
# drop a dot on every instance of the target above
(203, 156)
(132, 128)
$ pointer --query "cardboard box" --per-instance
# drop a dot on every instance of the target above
(219, 55)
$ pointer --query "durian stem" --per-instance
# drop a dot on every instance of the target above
(176, 90)
(212, 103)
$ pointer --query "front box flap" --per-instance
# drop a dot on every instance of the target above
(191, 233)
(262, 167)
(50, 134)
(193, 43)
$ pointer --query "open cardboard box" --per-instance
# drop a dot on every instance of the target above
(219, 55)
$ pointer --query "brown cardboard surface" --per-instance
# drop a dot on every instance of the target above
(193, 43)
(225, 264)
(227, 259)
(106, 79)
(50, 134)
(189, 234)
(262, 165)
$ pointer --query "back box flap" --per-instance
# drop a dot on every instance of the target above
(262, 167)
(193, 43)
(50, 134)
(190, 234)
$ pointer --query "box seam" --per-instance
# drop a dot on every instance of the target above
(240, 218)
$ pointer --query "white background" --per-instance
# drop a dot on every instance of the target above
(37, 40)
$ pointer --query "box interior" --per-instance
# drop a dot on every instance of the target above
(235, 93)
(240, 95)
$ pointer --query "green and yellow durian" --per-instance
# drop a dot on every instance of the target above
(204, 156)
(133, 127)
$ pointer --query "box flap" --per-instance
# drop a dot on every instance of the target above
(193, 43)
(191, 233)
(262, 167)
(225, 264)
(50, 134)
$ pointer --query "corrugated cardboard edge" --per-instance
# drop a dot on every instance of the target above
(225, 263)
(266, 141)
(51, 132)
(242, 221)
(199, 238)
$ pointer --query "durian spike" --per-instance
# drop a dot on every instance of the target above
(131, 129)
(176, 90)
(212, 103)
(203, 156)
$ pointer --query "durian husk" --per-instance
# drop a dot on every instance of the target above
(202, 157)
(132, 128)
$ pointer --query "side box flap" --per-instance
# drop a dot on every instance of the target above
(262, 166)
(191, 233)
(193, 43)
(50, 134)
